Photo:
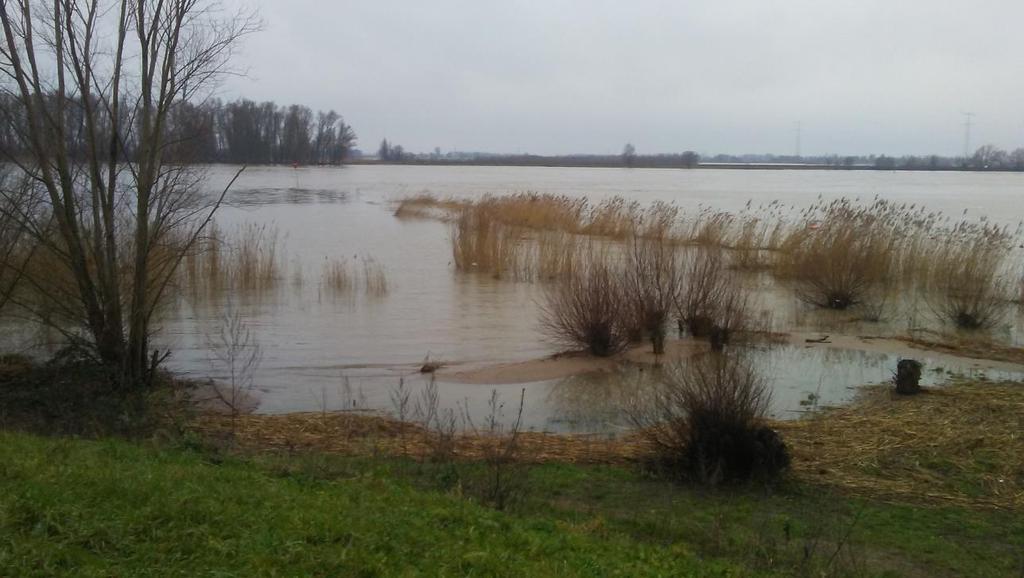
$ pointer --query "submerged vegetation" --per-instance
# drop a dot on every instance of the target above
(839, 255)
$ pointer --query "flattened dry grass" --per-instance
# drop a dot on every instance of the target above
(354, 433)
(962, 444)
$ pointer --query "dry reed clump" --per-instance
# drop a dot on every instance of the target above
(338, 275)
(344, 276)
(375, 278)
(249, 259)
(585, 307)
(967, 280)
(426, 205)
(844, 252)
(481, 243)
(707, 420)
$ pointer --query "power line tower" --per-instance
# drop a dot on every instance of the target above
(968, 117)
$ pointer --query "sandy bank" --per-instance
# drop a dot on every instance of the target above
(572, 364)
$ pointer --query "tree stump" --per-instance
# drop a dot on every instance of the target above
(908, 377)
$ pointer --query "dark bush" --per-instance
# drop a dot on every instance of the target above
(707, 419)
(71, 394)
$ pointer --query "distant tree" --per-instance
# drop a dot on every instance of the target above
(885, 163)
(384, 152)
(628, 155)
(690, 159)
(397, 153)
(1016, 159)
(296, 132)
(988, 157)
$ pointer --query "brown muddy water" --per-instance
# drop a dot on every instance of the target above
(324, 351)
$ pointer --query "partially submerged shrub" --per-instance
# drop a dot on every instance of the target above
(706, 418)
(712, 302)
(585, 308)
(652, 284)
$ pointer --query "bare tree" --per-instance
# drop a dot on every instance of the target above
(93, 84)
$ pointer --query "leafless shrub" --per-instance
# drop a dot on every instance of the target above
(703, 283)
(707, 420)
(439, 425)
(400, 397)
(505, 475)
(585, 308)
(653, 282)
(713, 302)
(237, 351)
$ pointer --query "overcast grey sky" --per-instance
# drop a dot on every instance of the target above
(559, 76)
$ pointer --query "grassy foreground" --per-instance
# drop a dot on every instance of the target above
(113, 508)
(109, 508)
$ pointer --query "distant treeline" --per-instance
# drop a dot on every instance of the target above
(242, 131)
(987, 157)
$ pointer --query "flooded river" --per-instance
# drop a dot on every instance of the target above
(314, 342)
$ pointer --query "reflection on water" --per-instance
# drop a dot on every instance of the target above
(286, 195)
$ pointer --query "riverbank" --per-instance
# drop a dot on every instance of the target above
(928, 485)
(958, 445)
(108, 507)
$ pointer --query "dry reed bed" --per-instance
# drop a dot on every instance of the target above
(247, 259)
(343, 276)
(836, 254)
(962, 444)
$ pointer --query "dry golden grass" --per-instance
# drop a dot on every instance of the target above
(426, 205)
(961, 444)
(355, 433)
(248, 259)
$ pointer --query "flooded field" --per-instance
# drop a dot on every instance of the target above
(326, 348)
